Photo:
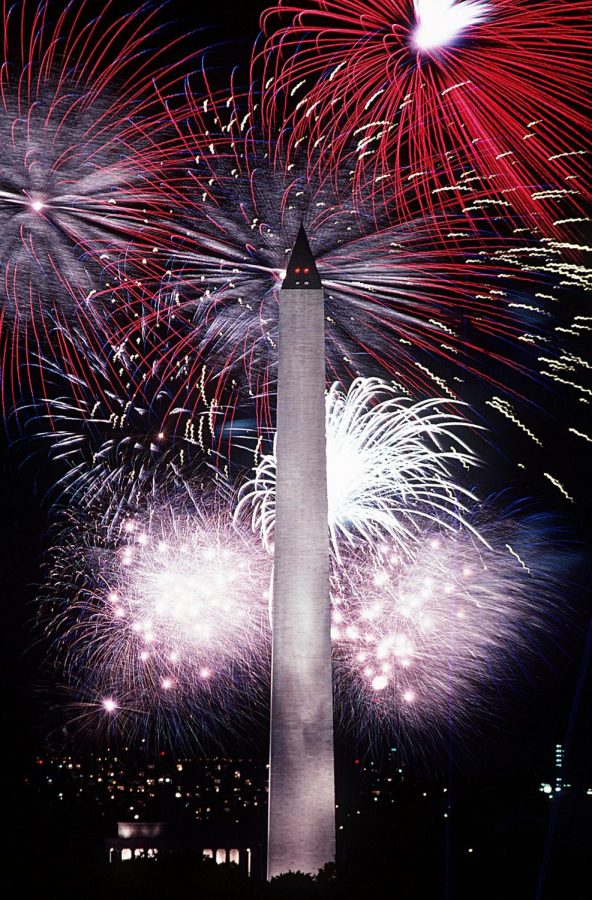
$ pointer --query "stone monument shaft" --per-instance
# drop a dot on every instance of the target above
(301, 834)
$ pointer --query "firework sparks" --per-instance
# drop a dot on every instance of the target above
(396, 299)
(82, 182)
(161, 620)
(118, 432)
(419, 644)
(421, 91)
(389, 469)
(191, 595)
(169, 607)
(159, 603)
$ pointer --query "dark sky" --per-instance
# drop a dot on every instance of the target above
(535, 713)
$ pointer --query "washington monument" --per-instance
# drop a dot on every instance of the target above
(301, 833)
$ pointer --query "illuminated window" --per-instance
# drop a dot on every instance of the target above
(208, 854)
(233, 856)
(220, 856)
(126, 854)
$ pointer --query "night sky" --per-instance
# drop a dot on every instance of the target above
(550, 703)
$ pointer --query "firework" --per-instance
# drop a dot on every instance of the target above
(168, 608)
(389, 470)
(442, 23)
(439, 94)
(421, 645)
(159, 618)
(490, 317)
(83, 140)
(118, 431)
(396, 300)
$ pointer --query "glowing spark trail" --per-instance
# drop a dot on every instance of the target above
(494, 89)
(556, 483)
(503, 407)
(581, 434)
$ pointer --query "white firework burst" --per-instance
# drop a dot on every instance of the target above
(423, 645)
(390, 465)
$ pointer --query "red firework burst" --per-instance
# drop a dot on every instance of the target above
(433, 91)
(84, 198)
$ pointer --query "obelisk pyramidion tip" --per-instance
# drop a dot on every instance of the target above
(302, 273)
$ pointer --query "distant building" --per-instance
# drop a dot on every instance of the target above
(557, 783)
(151, 840)
(559, 754)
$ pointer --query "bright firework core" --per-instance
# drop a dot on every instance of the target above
(162, 618)
(418, 643)
(440, 22)
(189, 593)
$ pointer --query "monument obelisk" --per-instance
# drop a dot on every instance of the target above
(301, 827)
